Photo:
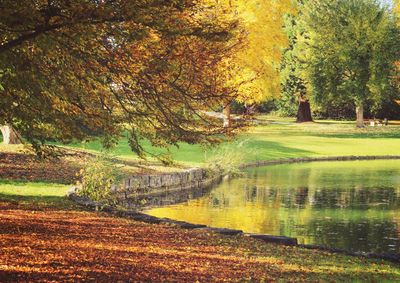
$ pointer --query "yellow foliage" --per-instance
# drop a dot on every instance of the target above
(397, 9)
(255, 66)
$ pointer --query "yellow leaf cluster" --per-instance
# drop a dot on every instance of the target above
(255, 66)
(397, 10)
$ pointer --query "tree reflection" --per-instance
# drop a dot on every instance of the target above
(347, 205)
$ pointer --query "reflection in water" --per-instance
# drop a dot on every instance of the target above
(349, 205)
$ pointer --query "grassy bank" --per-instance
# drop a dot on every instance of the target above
(43, 241)
(36, 194)
(272, 139)
(284, 139)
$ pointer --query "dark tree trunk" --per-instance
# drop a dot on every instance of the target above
(304, 111)
(10, 135)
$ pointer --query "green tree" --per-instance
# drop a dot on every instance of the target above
(349, 50)
(293, 85)
(81, 69)
(396, 11)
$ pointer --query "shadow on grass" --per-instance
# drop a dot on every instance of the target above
(367, 135)
(274, 150)
(49, 200)
(333, 122)
(38, 202)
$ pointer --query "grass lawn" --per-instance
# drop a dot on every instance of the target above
(41, 240)
(38, 194)
(282, 138)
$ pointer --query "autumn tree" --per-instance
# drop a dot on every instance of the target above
(261, 56)
(349, 48)
(74, 70)
(396, 9)
(254, 67)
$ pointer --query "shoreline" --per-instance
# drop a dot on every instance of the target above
(138, 215)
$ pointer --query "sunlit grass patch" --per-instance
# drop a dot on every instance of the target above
(281, 138)
(35, 193)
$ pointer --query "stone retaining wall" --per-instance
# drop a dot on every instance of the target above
(150, 183)
(155, 190)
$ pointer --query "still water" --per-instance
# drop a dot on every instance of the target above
(352, 205)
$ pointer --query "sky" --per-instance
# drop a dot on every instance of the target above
(387, 2)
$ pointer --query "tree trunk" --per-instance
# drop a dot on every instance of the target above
(304, 111)
(360, 115)
(10, 136)
(227, 116)
(250, 111)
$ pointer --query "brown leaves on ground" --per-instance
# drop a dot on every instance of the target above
(68, 246)
(22, 166)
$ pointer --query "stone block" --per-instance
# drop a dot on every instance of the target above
(182, 224)
(184, 177)
(175, 179)
(155, 181)
(225, 231)
(135, 183)
(145, 181)
(166, 180)
(287, 241)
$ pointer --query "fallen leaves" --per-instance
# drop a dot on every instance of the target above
(56, 245)
(20, 166)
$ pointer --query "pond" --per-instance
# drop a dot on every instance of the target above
(352, 205)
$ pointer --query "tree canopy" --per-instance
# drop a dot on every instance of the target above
(258, 58)
(397, 8)
(261, 56)
(294, 98)
(74, 70)
(348, 49)
(79, 69)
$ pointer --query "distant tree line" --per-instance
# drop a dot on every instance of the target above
(341, 62)
(341, 58)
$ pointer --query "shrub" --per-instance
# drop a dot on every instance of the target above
(227, 159)
(97, 179)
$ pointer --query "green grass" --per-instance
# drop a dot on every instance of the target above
(39, 194)
(286, 140)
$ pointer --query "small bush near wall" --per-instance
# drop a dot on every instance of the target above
(97, 178)
(227, 159)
